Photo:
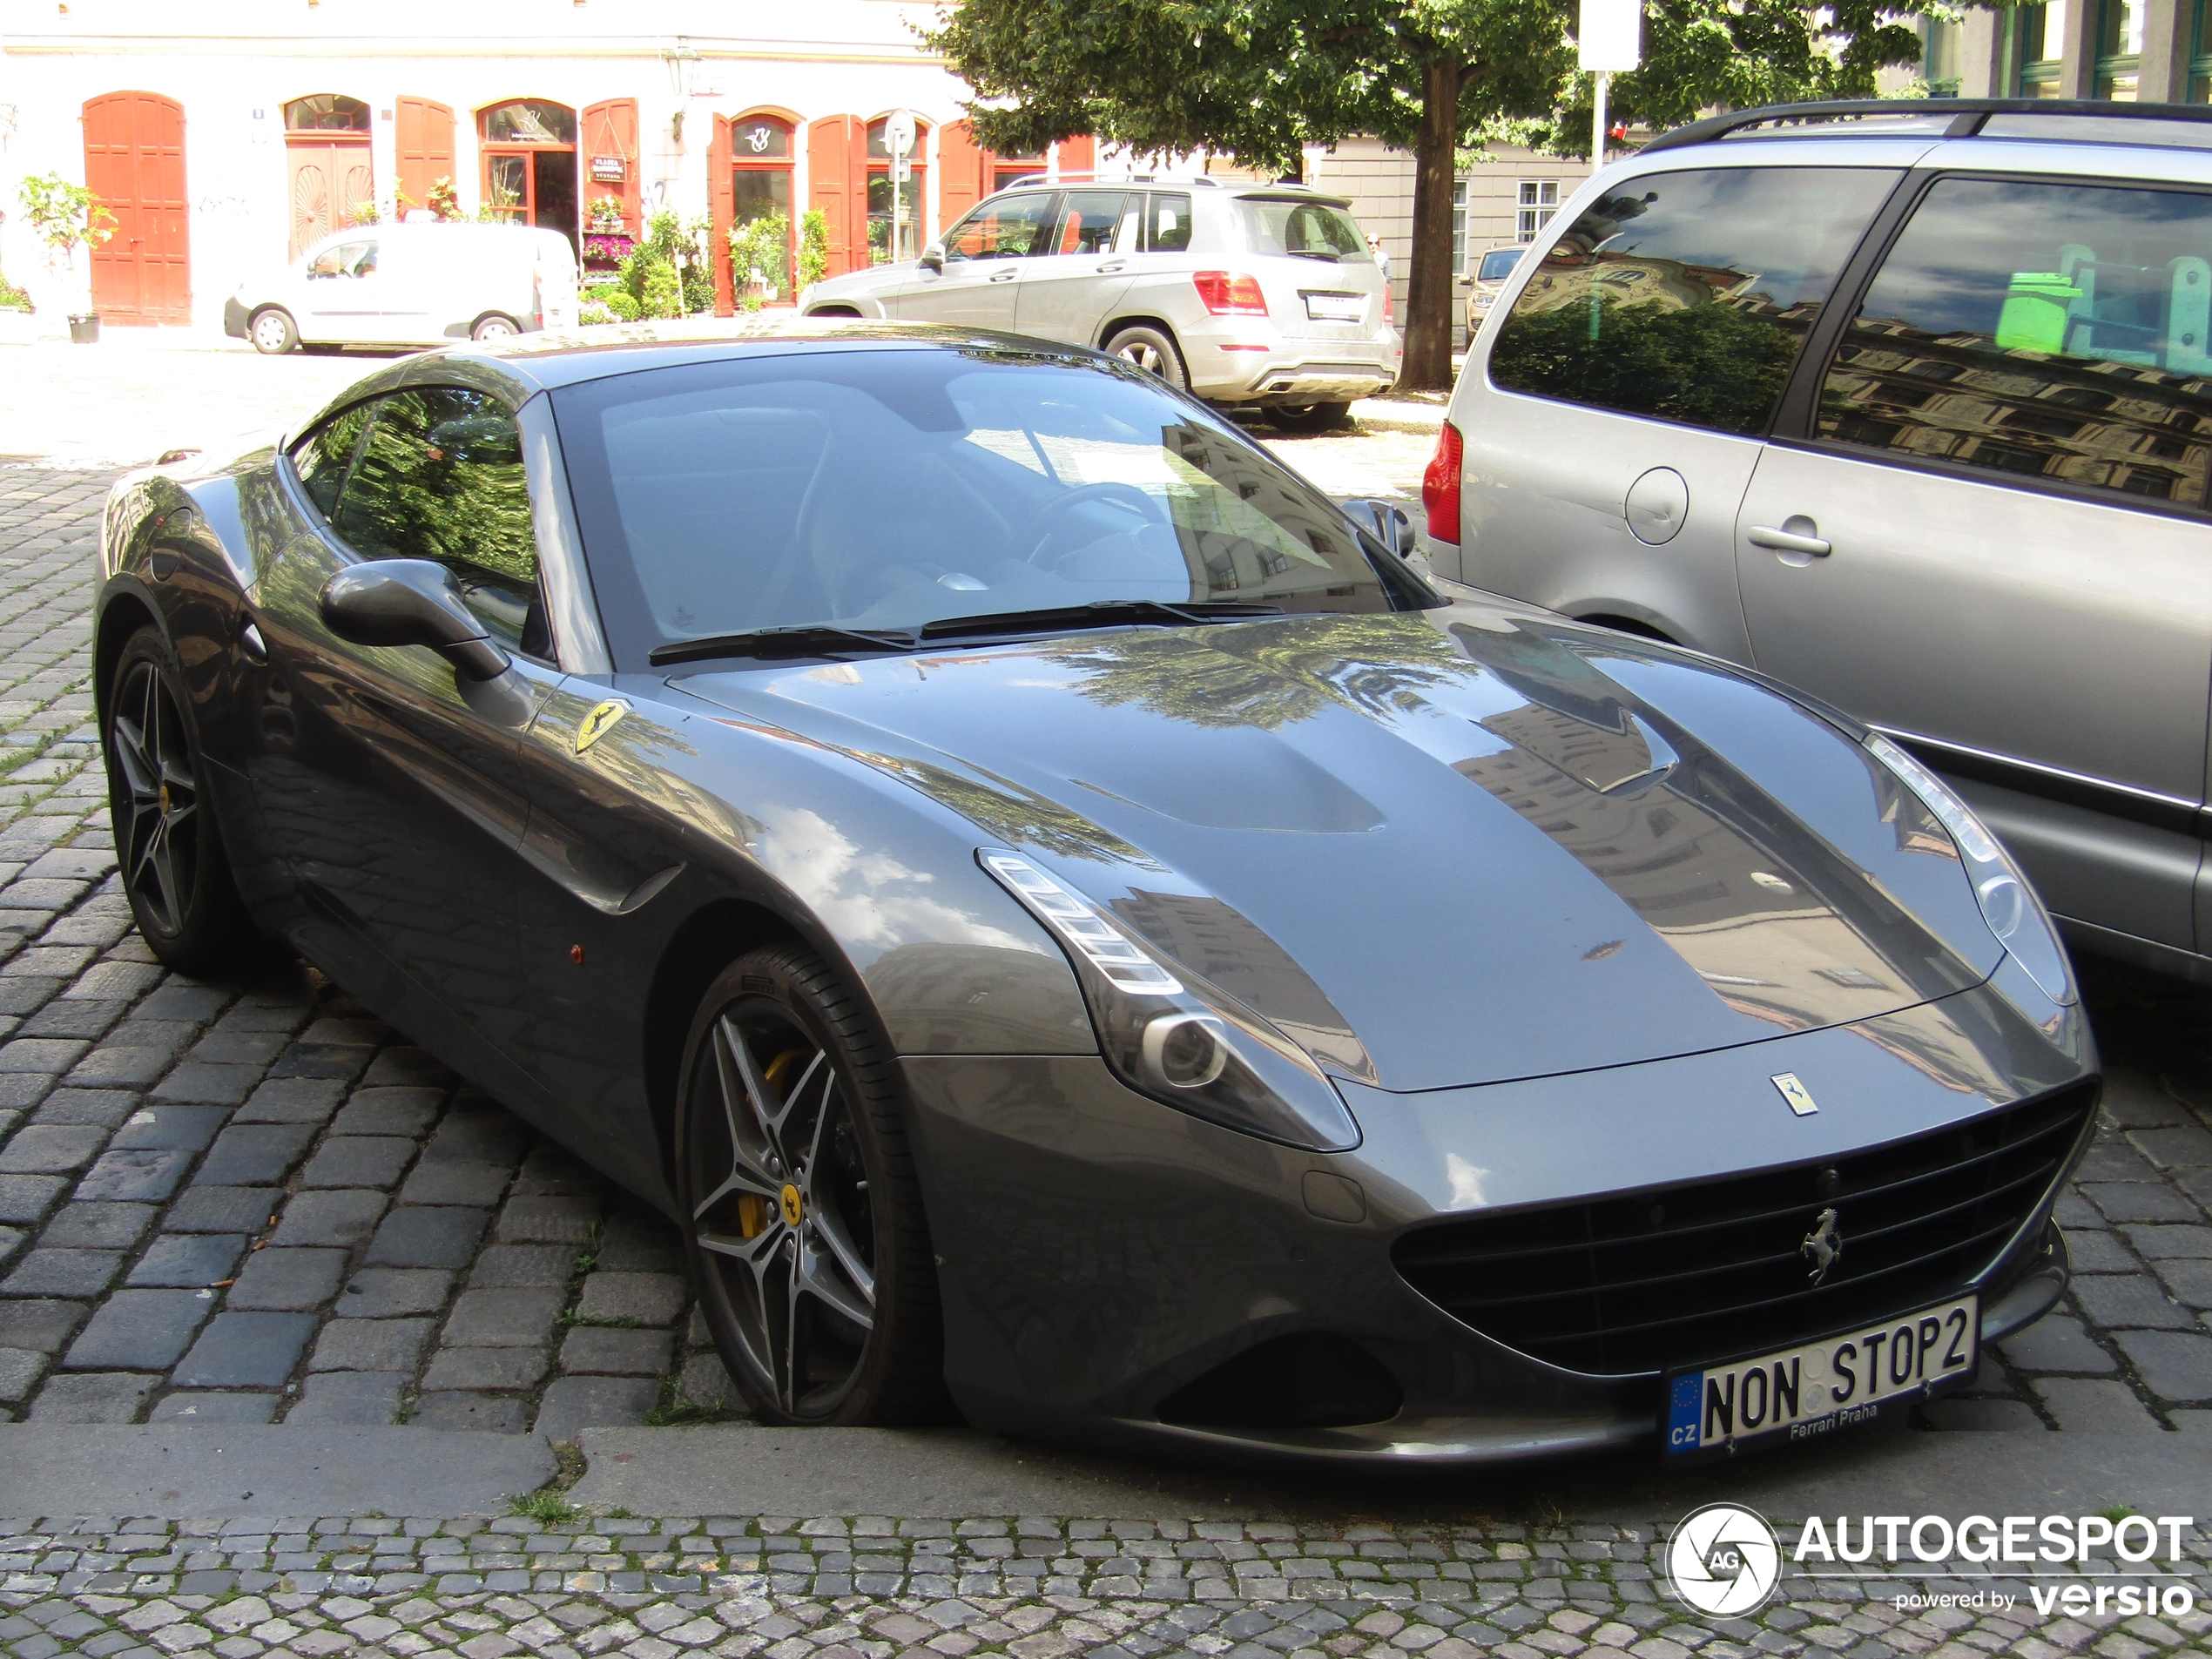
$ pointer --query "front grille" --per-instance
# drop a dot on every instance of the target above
(1642, 1281)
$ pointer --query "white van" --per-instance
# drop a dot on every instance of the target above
(410, 285)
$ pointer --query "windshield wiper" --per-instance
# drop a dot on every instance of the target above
(812, 639)
(1099, 613)
(1317, 253)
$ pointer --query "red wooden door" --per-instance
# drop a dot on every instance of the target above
(1077, 155)
(610, 136)
(960, 174)
(837, 183)
(134, 162)
(424, 137)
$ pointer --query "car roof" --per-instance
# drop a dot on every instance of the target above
(520, 367)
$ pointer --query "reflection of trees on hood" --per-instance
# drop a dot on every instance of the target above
(1016, 815)
(1267, 675)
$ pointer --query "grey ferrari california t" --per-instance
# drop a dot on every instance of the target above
(1074, 925)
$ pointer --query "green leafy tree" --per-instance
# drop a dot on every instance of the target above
(64, 217)
(1259, 79)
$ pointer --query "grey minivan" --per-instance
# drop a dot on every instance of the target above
(1909, 405)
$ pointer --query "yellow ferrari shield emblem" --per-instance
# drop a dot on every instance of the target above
(599, 722)
(794, 1207)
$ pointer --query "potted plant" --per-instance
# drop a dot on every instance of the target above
(17, 324)
(760, 260)
(607, 240)
(66, 217)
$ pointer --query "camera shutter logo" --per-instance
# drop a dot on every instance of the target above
(1724, 1560)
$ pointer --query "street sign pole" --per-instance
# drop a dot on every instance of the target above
(899, 143)
(1607, 40)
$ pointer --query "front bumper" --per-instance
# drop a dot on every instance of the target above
(1100, 1252)
(235, 317)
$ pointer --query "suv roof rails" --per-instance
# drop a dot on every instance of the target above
(1065, 177)
(1963, 118)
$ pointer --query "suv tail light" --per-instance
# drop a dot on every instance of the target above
(1440, 485)
(1226, 294)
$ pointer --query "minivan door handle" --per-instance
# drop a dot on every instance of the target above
(1796, 535)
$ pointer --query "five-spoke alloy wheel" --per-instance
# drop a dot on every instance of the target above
(805, 1228)
(175, 871)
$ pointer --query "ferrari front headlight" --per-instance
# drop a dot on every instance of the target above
(1171, 1037)
(2008, 904)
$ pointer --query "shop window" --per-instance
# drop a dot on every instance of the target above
(896, 207)
(760, 196)
(529, 165)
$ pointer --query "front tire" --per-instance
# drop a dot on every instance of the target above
(1151, 349)
(175, 871)
(271, 332)
(803, 1220)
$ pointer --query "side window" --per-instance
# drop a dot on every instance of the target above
(440, 477)
(1686, 296)
(322, 456)
(2046, 331)
(348, 259)
(1088, 221)
(1167, 223)
(1012, 229)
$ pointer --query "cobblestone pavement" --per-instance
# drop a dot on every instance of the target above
(872, 1587)
(252, 1202)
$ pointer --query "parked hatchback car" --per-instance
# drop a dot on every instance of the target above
(410, 285)
(1910, 406)
(1258, 298)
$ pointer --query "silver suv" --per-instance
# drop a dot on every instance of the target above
(1910, 406)
(1261, 297)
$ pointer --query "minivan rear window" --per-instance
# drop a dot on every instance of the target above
(1686, 296)
(1311, 229)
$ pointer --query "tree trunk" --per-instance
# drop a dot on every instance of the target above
(1428, 288)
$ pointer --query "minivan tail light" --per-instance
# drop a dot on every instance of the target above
(1440, 485)
(1226, 294)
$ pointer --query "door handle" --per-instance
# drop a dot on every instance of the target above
(1007, 276)
(1796, 535)
(1110, 266)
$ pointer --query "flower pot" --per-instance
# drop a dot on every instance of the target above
(84, 330)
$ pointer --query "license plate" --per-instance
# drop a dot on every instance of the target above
(1335, 307)
(1801, 1394)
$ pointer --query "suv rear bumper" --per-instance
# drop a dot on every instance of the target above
(1292, 371)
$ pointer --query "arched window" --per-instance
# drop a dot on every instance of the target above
(529, 120)
(888, 243)
(325, 113)
(530, 164)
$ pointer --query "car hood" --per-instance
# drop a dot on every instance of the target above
(1447, 847)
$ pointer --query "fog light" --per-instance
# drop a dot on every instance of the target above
(1185, 1050)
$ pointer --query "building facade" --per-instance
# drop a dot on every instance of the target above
(2149, 52)
(226, 138)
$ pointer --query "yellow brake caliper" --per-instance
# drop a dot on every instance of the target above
(752, 1209)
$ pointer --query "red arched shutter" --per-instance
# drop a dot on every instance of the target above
(611, 136)
(1078, 155)
(836, 186)
(723, 207)
(134, 162)
(423, 136)
(960, 174)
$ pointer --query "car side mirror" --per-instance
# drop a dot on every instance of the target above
(410, 602)
(933, 257)
(1386, 523)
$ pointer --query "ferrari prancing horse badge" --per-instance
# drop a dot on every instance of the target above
(599, 722)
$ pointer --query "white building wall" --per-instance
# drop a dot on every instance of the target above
(245, 58)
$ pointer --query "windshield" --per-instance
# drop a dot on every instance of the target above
(889, 488)
(1498, 264)
(1310, 228)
